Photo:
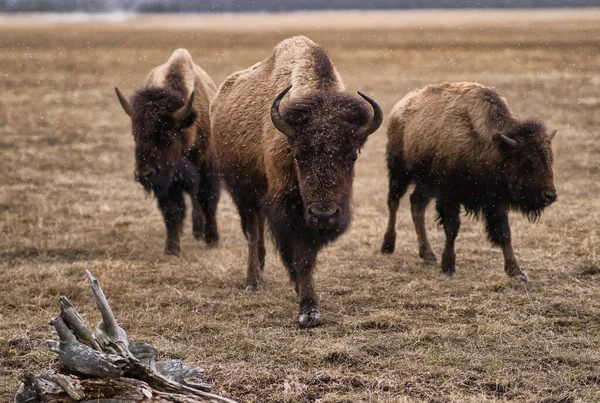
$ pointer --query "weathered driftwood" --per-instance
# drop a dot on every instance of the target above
(105, 367)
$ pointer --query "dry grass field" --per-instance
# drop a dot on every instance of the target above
(394, 329)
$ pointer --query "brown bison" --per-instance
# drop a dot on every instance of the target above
(171, 129)
(461, 144)
(294, 164)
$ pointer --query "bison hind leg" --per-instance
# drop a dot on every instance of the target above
(197, 221)
(449, 216)
(399, 179)
(419, 200)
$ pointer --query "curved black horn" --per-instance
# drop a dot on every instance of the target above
(124, 102)
(185, 110)
(374, 124)
(511, 142)
(276, 118)
(552, 134)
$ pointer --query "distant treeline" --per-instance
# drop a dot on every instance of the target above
(176, 6)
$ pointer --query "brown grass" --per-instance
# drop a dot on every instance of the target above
(394, 329)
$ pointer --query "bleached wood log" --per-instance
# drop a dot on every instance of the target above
(105, 366)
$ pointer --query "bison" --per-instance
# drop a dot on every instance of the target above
(171, 129)
(461, 144)
(293, 165)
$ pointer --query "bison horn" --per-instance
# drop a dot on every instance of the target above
(552, 134)
(185, 110)
(124, 102)
(279, 123)
(374, 124)
(509, 141)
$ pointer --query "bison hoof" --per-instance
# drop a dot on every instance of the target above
(311, 318)
(198, 235)
(449, 271)
(428, 257)
(389, 243)
(257, 286)
(172, 250)
(211, 239)
(522, 277)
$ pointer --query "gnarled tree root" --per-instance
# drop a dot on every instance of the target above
(105, 367)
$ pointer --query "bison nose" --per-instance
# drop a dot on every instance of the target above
(144, 174)
(549, 196)
(323, 214)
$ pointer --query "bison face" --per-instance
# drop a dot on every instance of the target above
(325, 131)
(159, 118)
(325, 175)
(156, 162)
(528, 167)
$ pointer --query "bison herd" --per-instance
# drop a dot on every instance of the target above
(283, 136)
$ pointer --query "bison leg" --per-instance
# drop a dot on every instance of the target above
(197, 218)
(172, 207)
(300, 260)
(261, 241)
(304, 264)
(399, 182)
(208, 199)
(498, 230)
(254, 280)
(449, 214)
(419, 200)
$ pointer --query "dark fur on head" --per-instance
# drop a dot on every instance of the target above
(158, 137)
(325, 149)
(528, 167)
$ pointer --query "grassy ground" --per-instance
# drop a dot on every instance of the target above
(394, 329)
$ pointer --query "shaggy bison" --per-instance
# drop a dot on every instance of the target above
(461, 144)
(171, 129)
(293, 165)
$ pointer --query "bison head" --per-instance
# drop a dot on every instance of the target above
(158, 119)
(325, 131)
(528, 167)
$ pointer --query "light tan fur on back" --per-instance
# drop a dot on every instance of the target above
(181, 75)
(449, 123)
(289, 63)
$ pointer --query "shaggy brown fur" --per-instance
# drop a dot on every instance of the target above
(461, 144)
(300, 180)
(173, 155)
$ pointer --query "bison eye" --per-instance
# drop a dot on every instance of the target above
(354, 157)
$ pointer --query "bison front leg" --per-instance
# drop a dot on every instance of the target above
(252, 223)
(197, 219)
(498, 230)
(301, 268)
(449, 214)
(172, 207)
(208, 198)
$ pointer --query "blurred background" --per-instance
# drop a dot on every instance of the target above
(176, 6)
